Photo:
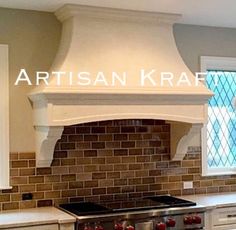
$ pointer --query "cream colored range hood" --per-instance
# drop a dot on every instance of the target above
(105, 43)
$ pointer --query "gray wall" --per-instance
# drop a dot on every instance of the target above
(195, 41)
(33, 38)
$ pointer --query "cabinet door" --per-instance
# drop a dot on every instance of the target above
(38, 227)
(224, 227)
(224, 216)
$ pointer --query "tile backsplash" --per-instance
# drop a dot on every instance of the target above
(109, 160)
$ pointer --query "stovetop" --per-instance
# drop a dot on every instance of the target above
(155, 202)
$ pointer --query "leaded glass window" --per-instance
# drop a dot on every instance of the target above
(221, 127)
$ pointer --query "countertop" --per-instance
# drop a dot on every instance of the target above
(212, 201)
(52, 215)
(34, 216)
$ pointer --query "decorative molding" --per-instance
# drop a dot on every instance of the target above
(218, 63)
(4, 119)
(46, 138)
(191, 138)
(72, 10)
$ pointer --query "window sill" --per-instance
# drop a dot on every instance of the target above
(219, 173)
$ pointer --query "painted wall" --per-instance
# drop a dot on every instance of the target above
(195, 41)
(33, 38)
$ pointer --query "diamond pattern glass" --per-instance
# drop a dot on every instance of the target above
(221, 127)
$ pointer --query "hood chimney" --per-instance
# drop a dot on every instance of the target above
(120, 56)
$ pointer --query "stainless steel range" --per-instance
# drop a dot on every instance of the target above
(152, 213)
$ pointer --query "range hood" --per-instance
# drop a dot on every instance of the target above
(101, 43)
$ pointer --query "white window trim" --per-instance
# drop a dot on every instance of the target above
(224, 64)
(4, 118)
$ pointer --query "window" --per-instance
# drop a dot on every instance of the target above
(4, 118)
(219, 134)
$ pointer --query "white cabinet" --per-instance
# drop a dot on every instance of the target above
(221, 219)
(4, 119)
(38, 227)
(47, 227)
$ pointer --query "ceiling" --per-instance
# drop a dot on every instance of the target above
(220, 13)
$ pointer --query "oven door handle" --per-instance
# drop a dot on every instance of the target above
(231, 215)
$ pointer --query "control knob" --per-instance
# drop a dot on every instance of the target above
(160, 226)
(170, 222)
(188, 220)
(196, 219)
(118, 226)
(99, 227)
(129, 227)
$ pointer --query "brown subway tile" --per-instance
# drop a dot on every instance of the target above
(120, 152)
(44, 171)
(44, 187)
(128, 159)
(27, 188)
(20, 164)
(98, 145)
(128, 129)
(27, 156)
(19, 180)
(14, 172)
(98, 129)
(119, 182)
(90, 184)
(84, 176)
(67, 146)
(68, 161)
(83, 145)
(106, 183)
(105, 168)
(44, 203)
(120, 137)
(36, 179)
(75, 169)
(120, 167)
(4, 197)
(60, 170)
(98, 191)
(52, 178)
(14, 156)
(28, 204)
(113, 175)
(75, 184)
(113, 190)
(90, 153)
(75, 138)
(38, 195)
(84, 192)
(32, 163)
(105, 137)
(98, 176)
(27, 171)
(136, 151)
(98, 160)
(91, 168)
(60, 186)
(69, 177)
(69, 193)
(10, 206)
(83, 130)
(90, 137)
(113, 129)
